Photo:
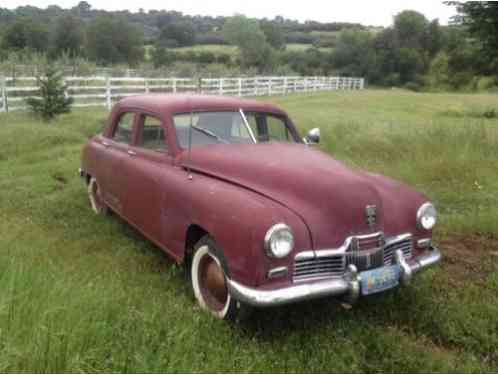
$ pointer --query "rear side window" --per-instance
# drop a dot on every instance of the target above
(124, 128)
(152, 135)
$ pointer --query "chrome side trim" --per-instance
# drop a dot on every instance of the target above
(347, 286)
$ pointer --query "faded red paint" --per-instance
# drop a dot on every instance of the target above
(238, 191)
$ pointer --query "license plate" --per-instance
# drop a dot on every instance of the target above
(379, 279)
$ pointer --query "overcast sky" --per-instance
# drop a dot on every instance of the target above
(365, 12)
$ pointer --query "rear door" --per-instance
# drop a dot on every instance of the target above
(114, 178)
(147, 163)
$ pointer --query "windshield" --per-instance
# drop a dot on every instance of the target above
(231, 127)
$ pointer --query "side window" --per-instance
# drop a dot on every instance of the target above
(124, 128)
(152, 135)
(277, 130)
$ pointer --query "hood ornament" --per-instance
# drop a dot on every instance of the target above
(371, 215)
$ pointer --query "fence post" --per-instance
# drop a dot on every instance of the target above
(220, 87)
(362, 83)
(108, 93)
(146, 83)
(3, 87)
(240, 86)
(269, 86)
(174, 85)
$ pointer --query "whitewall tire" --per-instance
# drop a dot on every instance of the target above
(208, 277)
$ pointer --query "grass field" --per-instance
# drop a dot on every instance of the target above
(218, 49)
(81, 293)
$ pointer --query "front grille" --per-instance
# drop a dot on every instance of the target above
(404, 245)
(365, 252)
(331, 266)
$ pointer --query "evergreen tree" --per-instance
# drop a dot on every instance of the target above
(53, 100)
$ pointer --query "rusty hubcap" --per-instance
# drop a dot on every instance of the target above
(212, 283)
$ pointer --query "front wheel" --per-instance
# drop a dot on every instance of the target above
(208, 275)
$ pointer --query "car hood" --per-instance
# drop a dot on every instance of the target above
(330, 197)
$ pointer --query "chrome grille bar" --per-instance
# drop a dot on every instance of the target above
(365, 252)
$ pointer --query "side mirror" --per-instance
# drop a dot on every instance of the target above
(313, 136)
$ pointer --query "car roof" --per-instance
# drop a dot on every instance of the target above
(168, 104)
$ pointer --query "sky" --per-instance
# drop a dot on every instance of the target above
(376, 13)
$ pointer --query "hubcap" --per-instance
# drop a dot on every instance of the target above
(212, 283)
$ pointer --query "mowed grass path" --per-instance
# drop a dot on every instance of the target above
(81, 293)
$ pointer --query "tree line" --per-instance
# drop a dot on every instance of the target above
(414, 51)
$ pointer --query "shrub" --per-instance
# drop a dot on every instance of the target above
(206, 57)
(412, 86)
(53, 100)
(490, 113)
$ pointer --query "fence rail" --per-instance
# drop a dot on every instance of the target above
(104, 91)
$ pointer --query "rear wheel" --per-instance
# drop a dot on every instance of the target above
(94, 195)
(208, 276)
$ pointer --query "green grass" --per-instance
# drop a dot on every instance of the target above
(217, 49)
(81, 293)
(299, 47)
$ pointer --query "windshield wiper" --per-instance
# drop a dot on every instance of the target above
(209, 133)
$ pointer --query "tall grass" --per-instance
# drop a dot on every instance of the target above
(80, 293)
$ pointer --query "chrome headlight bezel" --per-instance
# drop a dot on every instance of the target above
(270, 237)
(426, 210)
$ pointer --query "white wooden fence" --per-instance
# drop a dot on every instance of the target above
(104, 91)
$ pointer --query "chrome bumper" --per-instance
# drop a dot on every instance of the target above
(347, 286)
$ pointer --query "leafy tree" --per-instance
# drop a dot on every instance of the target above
(162, 57)
(274, 34)
(52, 101)
(481, 20)
(248, 36)
(433, 40)
(410, 64)
(83, 8)
(113, 40)
(68, 36)
(410, 28)
(354, 54)
(26, 33)
(177, 34)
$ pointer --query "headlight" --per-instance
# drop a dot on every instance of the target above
(279, 241)
(426, 216)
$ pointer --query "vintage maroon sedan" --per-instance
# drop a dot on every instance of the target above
(229, 188)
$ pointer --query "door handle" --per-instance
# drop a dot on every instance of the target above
(131, 153)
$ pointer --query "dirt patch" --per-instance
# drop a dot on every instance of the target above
(468, 258)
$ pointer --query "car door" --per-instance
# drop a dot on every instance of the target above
(114, 178)
(148, 158)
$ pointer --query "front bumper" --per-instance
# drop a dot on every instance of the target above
(347, 286)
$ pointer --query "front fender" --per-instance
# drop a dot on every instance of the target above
(238, 220)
